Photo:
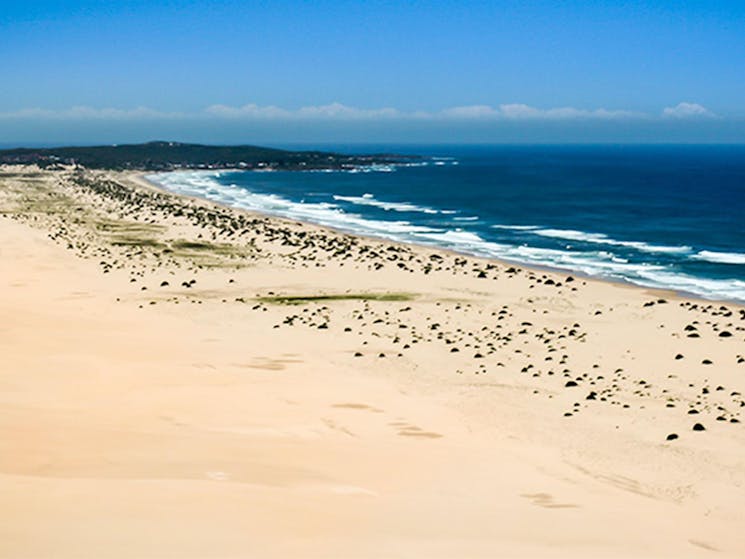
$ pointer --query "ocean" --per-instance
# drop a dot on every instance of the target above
(670, 217)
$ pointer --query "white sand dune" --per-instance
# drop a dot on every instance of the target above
(146, 420)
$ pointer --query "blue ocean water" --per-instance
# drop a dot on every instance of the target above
(658, 216)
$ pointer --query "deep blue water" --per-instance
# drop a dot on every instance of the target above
(659, 216)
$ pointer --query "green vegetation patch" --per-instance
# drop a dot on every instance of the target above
(208, 250)
(211, 255)
(125, 241)
(130, 233)
(303, 299)
(48, 206)
(193, 245)
(128, 227)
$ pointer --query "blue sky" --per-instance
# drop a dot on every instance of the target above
(339, 71)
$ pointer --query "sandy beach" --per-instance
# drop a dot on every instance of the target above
(181, 379)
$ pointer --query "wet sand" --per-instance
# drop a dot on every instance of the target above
(185, 380)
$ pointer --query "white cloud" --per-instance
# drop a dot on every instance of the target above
(340, 112)
(332, 111)
(687, 110)
(519, 111)
(470, 111)
(337, 110)
(247, 111)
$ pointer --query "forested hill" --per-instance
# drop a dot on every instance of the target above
(163, 156)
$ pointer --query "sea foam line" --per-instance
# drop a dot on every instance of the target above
(720, 257)
(516, 227)
(369, 200)
(730, 289)
(601, 238)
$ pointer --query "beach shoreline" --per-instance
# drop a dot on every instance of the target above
(141, 179)
(185, 379)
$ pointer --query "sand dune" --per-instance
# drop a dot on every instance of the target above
(184, 380)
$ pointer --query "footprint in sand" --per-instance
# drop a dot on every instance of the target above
(703, 545)
(353, 406)
(546, 500)
(406, 430)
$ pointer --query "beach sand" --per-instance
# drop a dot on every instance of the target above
(185, 380)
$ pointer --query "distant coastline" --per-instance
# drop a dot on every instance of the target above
(170, 156)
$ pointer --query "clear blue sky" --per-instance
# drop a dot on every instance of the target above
(518, 70)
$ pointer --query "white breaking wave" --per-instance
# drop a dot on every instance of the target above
(720, 257)
(377, 168)
(600, 238)
(600, 263)
(731, 289)
(467, 218)
(597, 263)
(572, 235)
(517, 227)
(589, 262)
(370, 200)
(457, 238)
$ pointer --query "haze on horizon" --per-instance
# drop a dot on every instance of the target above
(332, 72)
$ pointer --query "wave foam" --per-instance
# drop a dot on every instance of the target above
(457, 238)
(600, 263)
(730, 289)
(376, 168)
(601, 238)
(370, 200)
(720, 257)
(516, 227)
